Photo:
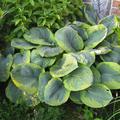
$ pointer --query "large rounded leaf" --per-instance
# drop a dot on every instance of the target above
(42, 61)
(68, 39)
(26, 76)
(110, 22)
(64, 66)
(96, 96)
(75, 97)
(43, 80)
(96, 34)
(113, 39)
(42, 36)
(55, 94)
(79, 79)
(20, 58)
(21, 44)
(85, 57)
(81, 27)
(5, 65)
(18, 96)
(90, 14)
(46, 51)
(113, 56)
(110, 74)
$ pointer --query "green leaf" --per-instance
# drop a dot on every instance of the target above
(41, 36)
(110, 74)
(75, 97)
(64, 66)
(32, 2)
(18, 96)
(46, 51)
(5, 65)
(21, 44)
(113, 39)
(113, 56)
(90, 14)
(81, 27)
(68, 39)
(85, 57)
(7, 50)
(21, 58)
(96, 34)
(41, 61)
(26, 76)
(79, 79)
(96, 75)
(55, 94)
(101, 50)
(96, 96)
(110, 22)
(43, 80)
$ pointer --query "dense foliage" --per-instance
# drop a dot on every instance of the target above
(16, 16)
(80, 61)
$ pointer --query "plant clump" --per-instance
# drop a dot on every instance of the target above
(79, 62)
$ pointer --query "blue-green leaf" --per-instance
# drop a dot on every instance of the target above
(96, 96)
(55, 94)
(68, 39)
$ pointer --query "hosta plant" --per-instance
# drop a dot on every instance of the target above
(79, 62)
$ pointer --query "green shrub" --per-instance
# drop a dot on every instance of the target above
(9, 111)
(17, 16)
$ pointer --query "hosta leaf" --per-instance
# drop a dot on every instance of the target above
(101, 50)
(21, 44)
(43, 80)
(90, 14)
(81, 27)
(41, 36)
(96, 96)
(105, 44)
(113, 56)
(8, 50)
(20, 58)
(79, 79)
(64, 66)
(81, 24)
(18, 96)
(113, 39)
(96, 75)
(42, 61)
(96, 34)
(110, 74)
(85, 57)
(55, 93)
(26, 76)
(110, 22)
(46, 51)
(68, 39)
(5, 65)
(75, 97)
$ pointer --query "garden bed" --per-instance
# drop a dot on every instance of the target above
(57, 66)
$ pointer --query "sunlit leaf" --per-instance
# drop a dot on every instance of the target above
(79, 79)
(68, 39)
(64, 66)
